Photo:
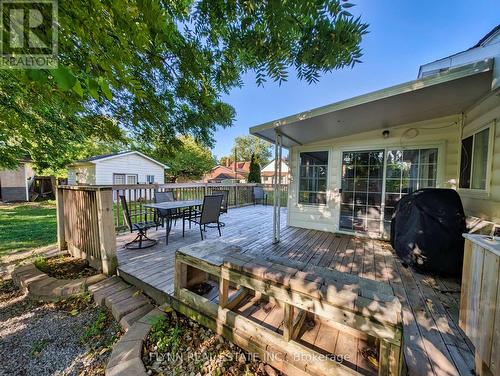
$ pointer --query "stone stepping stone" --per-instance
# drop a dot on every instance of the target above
(130, 318)
(128, 305)
(101, 294)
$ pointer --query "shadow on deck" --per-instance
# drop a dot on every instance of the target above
(433, 342)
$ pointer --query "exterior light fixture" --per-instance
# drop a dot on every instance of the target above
(385, 134)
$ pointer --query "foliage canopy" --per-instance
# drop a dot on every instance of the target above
(250, 146)
(155, 69)
(187, 160)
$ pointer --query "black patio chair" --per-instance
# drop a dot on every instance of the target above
(141, 241)
(225, 200)
(259, 195)
(208, 215)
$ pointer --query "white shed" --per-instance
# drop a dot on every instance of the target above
(130, 167)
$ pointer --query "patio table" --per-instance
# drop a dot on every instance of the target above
(171, 206)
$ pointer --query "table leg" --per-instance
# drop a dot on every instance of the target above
(168, 228)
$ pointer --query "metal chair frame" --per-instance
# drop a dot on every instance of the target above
(141, 241)
(209, 214)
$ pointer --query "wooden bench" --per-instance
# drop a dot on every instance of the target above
(355, 304)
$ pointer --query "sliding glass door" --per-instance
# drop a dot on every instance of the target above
(362, 180)
(373, 181)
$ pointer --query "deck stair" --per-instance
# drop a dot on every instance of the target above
(359, 307)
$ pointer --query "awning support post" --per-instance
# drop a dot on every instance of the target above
(277, 188)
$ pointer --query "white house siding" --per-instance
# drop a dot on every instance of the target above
(326, 217)
(86, 174)
(485, 205)
(128, 164)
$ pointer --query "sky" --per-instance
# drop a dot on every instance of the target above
(402, 36)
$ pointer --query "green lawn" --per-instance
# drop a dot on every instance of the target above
(26, 226)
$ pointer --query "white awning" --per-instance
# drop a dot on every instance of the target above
(448, 93)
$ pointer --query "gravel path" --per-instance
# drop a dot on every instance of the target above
(44, 339)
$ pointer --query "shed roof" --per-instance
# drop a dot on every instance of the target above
(102, 157)
(448, 93)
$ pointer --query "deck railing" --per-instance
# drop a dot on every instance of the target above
(85, 225)
(139, 194)
(88, 217)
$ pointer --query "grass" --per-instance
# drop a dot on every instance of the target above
(26, 226)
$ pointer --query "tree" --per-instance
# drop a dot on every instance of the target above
(225, 161)
(188, 160)
(254, 175)
(158, 68)
(246, 146)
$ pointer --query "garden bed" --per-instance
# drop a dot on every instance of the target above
(65, 267)
(68, 337)
(177, 345)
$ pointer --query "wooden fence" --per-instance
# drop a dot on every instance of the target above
(89, 217)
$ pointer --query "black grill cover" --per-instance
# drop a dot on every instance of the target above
(426, 231)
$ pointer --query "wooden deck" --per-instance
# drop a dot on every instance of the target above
(434, 344)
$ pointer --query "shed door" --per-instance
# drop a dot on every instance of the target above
(362, 183)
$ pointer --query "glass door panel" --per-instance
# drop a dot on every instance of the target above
(361, 198)
(407, 171)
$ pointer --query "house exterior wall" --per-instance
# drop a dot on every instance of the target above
(128, 164)
(442, 133)
(14, 183)
(81, 174)
(485, 205)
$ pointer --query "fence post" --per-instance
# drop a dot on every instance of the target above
(236, 198)
(61, 237)
(107, 235)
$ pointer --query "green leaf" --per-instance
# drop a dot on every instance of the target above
(77, 88)
(93, 88)
(64, 78)
(105, 89)
(38, 75)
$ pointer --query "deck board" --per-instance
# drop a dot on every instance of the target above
(434, 344)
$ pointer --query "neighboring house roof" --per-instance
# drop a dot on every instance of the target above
(270, 167)
(436, 96)
(223, 172)
(103, 157)
(242, 167)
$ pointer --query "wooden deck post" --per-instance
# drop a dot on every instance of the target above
(288, 322)
(107, 235)
(223, 289)
(61, 238)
